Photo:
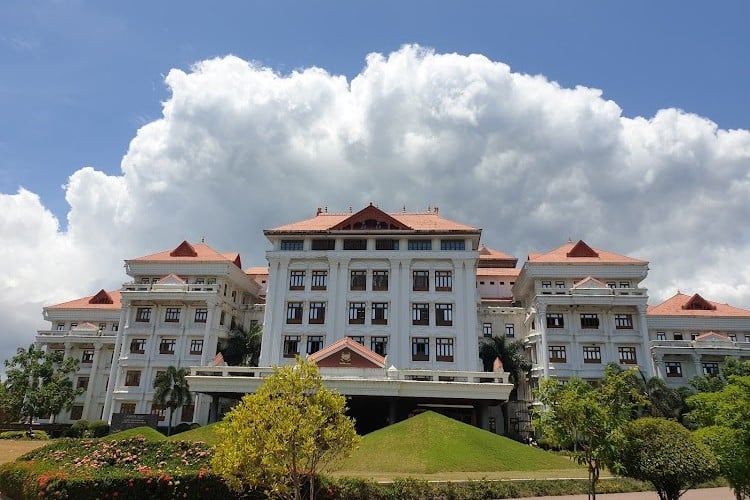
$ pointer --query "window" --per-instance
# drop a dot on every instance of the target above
(420, 314)
(297, 280)
(291, 245)
(358, 280)
(327, 244)
(555, 320)
(115, 327)
(546, 284)
(132, 378)
(82, 383)
(711, 369)
(222, 317)
(379, 313)
(733, 337)
(444, 349)
(172, 315)
(559, 284)
(444, 314)
(76, 412)
(421, 281)
(166, 346)
(673, 368)
(317, 314)
(589, 320)
(510, 330)
(201, 314)
(196, 346)
(145, 281)
(102, 327)
(592, 354)
(319, 280)
(487, 329)
(379, 345)
(627, 355)
(420, 349)
(143, 314)
(355, 244)
(87, 356)
(200, 281)
(359, 339)
(380, 281)
(127, 408)
(138, 346)
(187, 413)
(386, 244)
(60, 327)
(612, 284)
(557, 354)
(624, 321)
(624, 284)
(294, 313)
(314, 343)
(452, 245)
(677, 336)
(747, 338)
(291, 346)
(159, 411)
(420, 245)
(443, 281)
(356, 313)
(661, 336)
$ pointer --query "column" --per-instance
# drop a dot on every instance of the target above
(270, 349)
(90, 389)
(541, 326)
(658, 361)
(649, 369)
(697, 364)
(113, 371)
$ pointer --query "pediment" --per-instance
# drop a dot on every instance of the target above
(370, 218)
(713, 336)
(581, 249)
(171, 279)
(102, 297)
(698, 303)
(590, 282)
(184, 249)
(86, 327)
(346, 353)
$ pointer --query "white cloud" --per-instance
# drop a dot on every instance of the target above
(240, 148)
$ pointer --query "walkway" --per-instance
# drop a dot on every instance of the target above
(702, 494)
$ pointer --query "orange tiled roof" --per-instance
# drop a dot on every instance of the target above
(581, 253)
(679, 305)
(93, 302)
(354, 346)
(498, 271)
(486, 252)
(257, 271)
(191, 252)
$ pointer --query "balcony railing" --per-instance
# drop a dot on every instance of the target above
(76, 333)
(169, 287)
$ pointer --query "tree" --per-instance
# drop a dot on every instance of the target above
(659, 399)
(510, 355)
(38, 383)
(279, 438)
(731, 449)
(243, 346)
(172, 391)
(664, 453)
(714, 383)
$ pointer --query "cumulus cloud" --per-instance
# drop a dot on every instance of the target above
(240, 148)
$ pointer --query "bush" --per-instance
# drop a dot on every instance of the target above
(97, 428)
(183, 427)
(23, 435)
(78, 429)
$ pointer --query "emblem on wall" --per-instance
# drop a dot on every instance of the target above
(346, 358)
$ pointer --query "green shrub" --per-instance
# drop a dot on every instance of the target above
(97, 428)
(78, 429)
(22, 435)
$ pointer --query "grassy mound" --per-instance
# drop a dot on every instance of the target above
(430, 443)
(144, 431)
(206, 434)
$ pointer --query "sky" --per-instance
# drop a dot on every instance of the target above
(127, 127)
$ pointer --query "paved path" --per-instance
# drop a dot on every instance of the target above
(702, 494)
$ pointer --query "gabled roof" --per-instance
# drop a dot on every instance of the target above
(713, 336)
(257, 271)
(581, 253)
(347, 353)
(105, 300)
(86, 327)
(171, 279)
(590, 282)
(509, 272)
(372, 218)
(187, 252)
(489, 257)
(681, 304)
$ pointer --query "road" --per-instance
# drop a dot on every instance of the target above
(702, 494)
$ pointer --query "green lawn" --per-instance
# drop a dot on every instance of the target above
(207, 434)
(145, 431)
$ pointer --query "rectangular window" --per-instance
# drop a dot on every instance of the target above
(420, 281)
(314, 343)
(380, 281)
(294, 313)
(317, 315)
(487, 329)
(624, 321)
(297, 280)
(589, 320)
(733, 337)
(510, 330)
(559, 284)
(356, 313)
(201, 314)
(358, 280)
(420, 349)
(661, 336)
(359, 339)
(420, 244)
(555, 320)
(87, 356)
(624, 284)
(132, 378)
(327, 244)
(612, 284)
(143, 314)
(82, 383)
(127, 408)
(627, 355)
(557, 354)
(138, 346)
(379, 345)
(711, 369)
(546, 284)
(355, 244)
(291, 245)
(159, 411)
(291, 346)
(379, 313)
(673, 368)
(76, 412)
(592, 354)
(444, 314)
(115, 327)
(443, 281)
(677, 336)
(200, 281)
(167, 346)
(60, 327)
(196, 346)
(452, 245)
(444, 349)
(319, 280)
(386, 244)
(420, 314)
(188, 411)
(172, 315)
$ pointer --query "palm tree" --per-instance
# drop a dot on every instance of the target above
(510, 355)
(172, 391)
(243, 346)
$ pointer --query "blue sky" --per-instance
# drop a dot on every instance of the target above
(80, 77)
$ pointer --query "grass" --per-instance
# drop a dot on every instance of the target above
(206, 434)
(147, 432)
(432, 444)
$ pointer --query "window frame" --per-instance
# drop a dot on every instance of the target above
(627, 355)
(444, 348)
(167, 345)
(296, 279)
(379, 313)
(555, 320)
(355, 277)
(420, 280)
(87, 356)
(589, 321)
(380, 280)
(292, 245)
(132, 378)
(592, 354)
(291, 341)
(443, 281)
(357, 313)
(196, 346)
(143, 314)
(172, 315)
(316, 314)
(420, 314)
(443, 314)
(319, 279)
(201, 315)
(420, 348)
(623, 321)
(487, 330)
(673, 369)
(294, 311)
(419, 245)
(557, 354)
(453, 245)
(379, 345)
(138, 342)
(314, 341)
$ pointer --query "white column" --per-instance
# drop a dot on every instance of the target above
(91, 386)
(114, 369)
(648, 367)
(270, 349)
(541, 326)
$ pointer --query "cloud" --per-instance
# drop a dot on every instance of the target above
(240, 148)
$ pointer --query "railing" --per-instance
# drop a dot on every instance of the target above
(76, 333)
(168, 287)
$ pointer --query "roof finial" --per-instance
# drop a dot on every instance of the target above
(404, 209)
(203, 239)
(570, 240)
(350, 209)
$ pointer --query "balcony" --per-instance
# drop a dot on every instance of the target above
(169, 287)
